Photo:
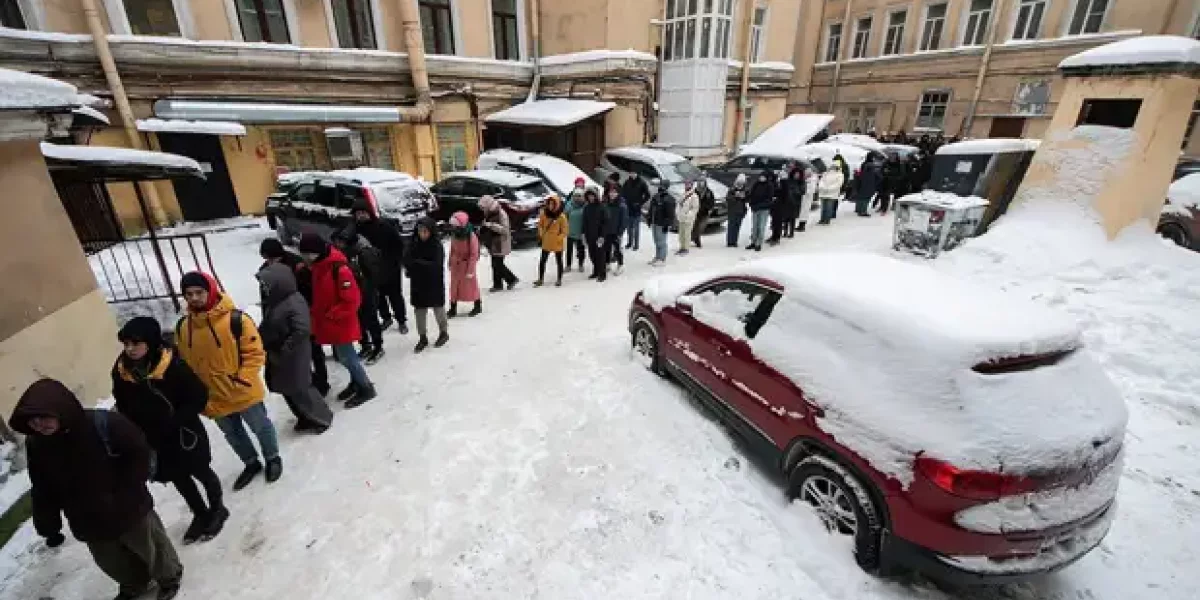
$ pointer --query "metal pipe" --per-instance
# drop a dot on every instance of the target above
(739, 115)
(536, 44)
(812, 69)
(91, 14)
(969, 121)
(414, 46)
(837, 63)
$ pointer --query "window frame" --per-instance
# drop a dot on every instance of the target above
(1075, 7)
(451, 8)
(747, 124)
(941, 23)
(519, 5)
(758, 32)
(966, 25)
(234, 15)
(30, 13)
(866, 43)
(888, 26)
(377, 26)
(118, 17)
(829, 45)
(683, 31)
(1016, 16)
(941, 126)
(755, 319)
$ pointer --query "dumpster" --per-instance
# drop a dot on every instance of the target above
(929, 222)
(990, 168)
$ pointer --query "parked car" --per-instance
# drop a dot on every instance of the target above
(653, 164)
(751, 165)
(1186, 166)
(944, 428)
(520, 195)
(1180, 218)
(558, 174)
(320, 201)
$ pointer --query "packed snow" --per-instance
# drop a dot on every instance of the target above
(857, 140)
(560, 174)
(1144, 50)
(944, 200)
(185, 126)
(989, 146)
(118, 156)
(89, 112)
(556, 112)
(1183, 196)
(19, 90)
(782, 138)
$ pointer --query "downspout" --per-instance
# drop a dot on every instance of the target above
(421, 114)
(121, 99)
(812, 69)
(837, 63)
(983, 69)
(536, 43)
(739, 115)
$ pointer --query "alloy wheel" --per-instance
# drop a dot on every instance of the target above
(832, 503)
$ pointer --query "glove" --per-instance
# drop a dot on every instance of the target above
(55, 540)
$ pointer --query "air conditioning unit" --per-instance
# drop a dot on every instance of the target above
(345, 147)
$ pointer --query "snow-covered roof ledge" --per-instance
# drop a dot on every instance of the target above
(1150, 53)
(597, 61)
(185, 126)
(556, 112)
(26, 91)
(110, 156)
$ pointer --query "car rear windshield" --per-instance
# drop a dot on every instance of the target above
(680, 171)
(1016, 364)
(399, 196)
(533, 192)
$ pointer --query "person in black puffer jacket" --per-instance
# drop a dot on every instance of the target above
(595, 225)
(615, 224)
(762, 197)
(390, 284)
(660, 216)
(427, 269)
(636, 194)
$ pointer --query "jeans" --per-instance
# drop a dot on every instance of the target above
(142, 555)
(734, 228)
(635, 231)
(501, 273)
(349, 358)
(758, 227)
(256, 418)
(575, 246)
(660, 242)
(542, 264)
(422, 315)
(828, 209)
(861, 205)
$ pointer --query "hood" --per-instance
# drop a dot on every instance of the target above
(553, 205)
(193, 279)
(362, 204)
(278, 282)
(47, 398)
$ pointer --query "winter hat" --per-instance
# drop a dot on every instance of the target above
(141, 329)
(311, 243)
(196, 279)
(271, 248)
(459, 219)
(579, 182)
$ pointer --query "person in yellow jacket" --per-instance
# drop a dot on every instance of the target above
(222, 345)
(552, 230)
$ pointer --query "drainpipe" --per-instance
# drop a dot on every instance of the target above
(837, 64)
(812, 69)
(983, 69)
(739, 115)
(121, 99)
(421, 114)
(536, 43)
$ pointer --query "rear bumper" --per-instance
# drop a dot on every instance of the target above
(1057, 552)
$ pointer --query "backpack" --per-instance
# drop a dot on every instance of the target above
(100, 421)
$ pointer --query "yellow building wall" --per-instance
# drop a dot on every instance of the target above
(251, 168)
(475, 23)
(629, 25)
(314, 24)
(575, 25)
(210, 21)
(783, 19)
(622, 127)
(123, 196)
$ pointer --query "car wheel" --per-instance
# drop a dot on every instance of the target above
(1176, 234)
(842, 503)
(644, 341)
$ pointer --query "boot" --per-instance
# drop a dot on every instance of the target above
(512, 284)
(167, 590)
(375, 354)
(366, 393)
(248, 474)
(453, 312)
(274, 469)
(386, 324)
(364, 352)
(477, 310)
(126, 594)
(442, 338)
(559, 282)
(196, 530)
(538, 283)
(422, 344)
(322, 388)
(403, 327)
(216, 522)
(348, 393)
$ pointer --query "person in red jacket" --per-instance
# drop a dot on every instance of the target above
(334, 310)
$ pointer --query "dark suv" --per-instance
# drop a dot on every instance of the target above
(321, 201)
(520, 195)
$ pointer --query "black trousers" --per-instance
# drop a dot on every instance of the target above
(320, 376)
(599, 264)
(698, 229)
(368, 322)
(501, 274)
(778, 221)
(885, 201)
(612, 247)
(393, 294)
(191, 494)
(558, 262)
(575, 245)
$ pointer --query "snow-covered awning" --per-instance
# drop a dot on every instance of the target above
(184, 126)
(20, 90)
(88, 116)
(557, 112)
(105, 163)
(989, 146)
(261, 112)
(1150, 51)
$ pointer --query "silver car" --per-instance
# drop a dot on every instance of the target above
(653, 164)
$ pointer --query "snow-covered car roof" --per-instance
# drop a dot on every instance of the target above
(904, 149)
(989, 146)
(496, 176)
(859, 140)
(653, 155)
(1183, 196)
(825, 151)
(787, 135)
(369, 175)
(561, 173)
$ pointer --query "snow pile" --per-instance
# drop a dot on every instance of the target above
(185, 126)
(726, 311)
(944, 200)
(784, 137)
(558, 173)
(25, 90)
(1144, 50)
(89, 112)
(118, 156)
(825, 151)
(663, 291)
(557, 112)
(857, 140)
(1183, 196)
(989, 146)
(596, 55)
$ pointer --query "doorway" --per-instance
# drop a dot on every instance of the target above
(208, 199)
(1007, 127)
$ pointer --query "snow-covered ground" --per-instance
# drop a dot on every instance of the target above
(533, 457)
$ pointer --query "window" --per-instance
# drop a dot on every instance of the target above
(747, 123)
(893, 42)
(504, 30)
(1191, 125)
(833, 42)
(868, 120)
(1109, 112)
(853, 116)
(733, 307)
(294, 149)
(698, 29)
(860, 120)
(645, 170)
(1088, 16)
(151, 17)
(452, 147)
(1196, 28)
(263, 21)
(437, 27)
(1031, 98)
(978, 16)
(932, 112)
(935, 22)
(378, 144)
(756, 34)
(862, 37)
(10, 14)
(1029, 19)
(355, 23)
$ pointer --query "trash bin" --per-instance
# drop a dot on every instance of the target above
(929, 222)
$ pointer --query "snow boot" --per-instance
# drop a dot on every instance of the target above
(374, 355)
(422, 344)
(453, 312)
(512, 284)
(348, 393)
(386, 324)
(364, 352)
(495, 289)
(442, 338)
(403, 328)
(167, 590)
(558, 283)
(274, 469)
(216, 522)
(248, 474)
(195, 531)
(475, 312)
(365, 393)
(538, 283)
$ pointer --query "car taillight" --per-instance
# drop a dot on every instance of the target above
(978, 485)
(371, 200)
(936, 217)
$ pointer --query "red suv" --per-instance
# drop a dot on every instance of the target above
(947, 429)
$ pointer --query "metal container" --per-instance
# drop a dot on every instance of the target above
(928, 223)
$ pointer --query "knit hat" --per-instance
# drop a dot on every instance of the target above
(196, 279)
(271, 248)
(141, 329)
(579, 182)
(311, 243)
(459, 219)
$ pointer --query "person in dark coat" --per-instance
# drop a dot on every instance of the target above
(161, 394)
(390, 286)
(272, 251)
(737, 198)
(636, 194)
(370, 269)
(708, 201)
(615, 224)
(595, 224)
(285, 329)
(762, 197)
(893, 183)
(660, 215)
(92, 467)
(798, 194)
(427, 269)
(847, 181)
(870, 179)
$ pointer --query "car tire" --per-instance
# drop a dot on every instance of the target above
(643, 340)
(1176, 234)
(818, 474)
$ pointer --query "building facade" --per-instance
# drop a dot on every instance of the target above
(302, 76)
(979, 68)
